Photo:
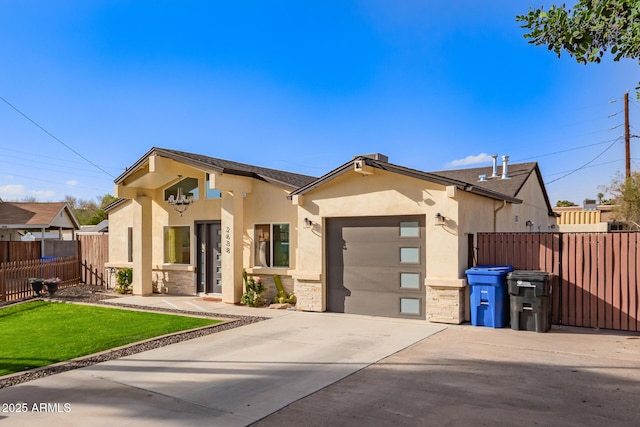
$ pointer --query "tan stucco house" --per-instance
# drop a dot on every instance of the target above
(589, 218)
(369, 237)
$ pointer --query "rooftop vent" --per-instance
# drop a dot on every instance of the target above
(494, 174)
(505, 172)
(482, 177)
(375, 156)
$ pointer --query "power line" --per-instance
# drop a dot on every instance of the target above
(568, 149)
(54, 137)
(588, 167)
(586, 164)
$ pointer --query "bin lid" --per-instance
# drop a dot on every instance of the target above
(529, 275)
(490, 270)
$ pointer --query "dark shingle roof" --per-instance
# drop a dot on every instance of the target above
(464, 179)
(518, 174)
(287, 179)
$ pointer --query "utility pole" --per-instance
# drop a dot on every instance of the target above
(627, 137)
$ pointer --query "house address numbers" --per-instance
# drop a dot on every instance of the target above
(227, 239)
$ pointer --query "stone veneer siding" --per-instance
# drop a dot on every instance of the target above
(309, 295)
(174, 282)
(445, 305)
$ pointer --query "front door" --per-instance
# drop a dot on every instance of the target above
(209, 260)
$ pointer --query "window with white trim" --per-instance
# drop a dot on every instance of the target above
(272, 245)
(177, 245)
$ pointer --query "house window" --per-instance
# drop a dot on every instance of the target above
(130, 244)
(212, 193)
(272, 245)
(177, 245)
(189, 188)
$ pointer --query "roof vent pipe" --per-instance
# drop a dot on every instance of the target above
(505, 173)
(495, 166)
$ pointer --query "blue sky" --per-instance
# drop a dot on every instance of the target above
(299, 86)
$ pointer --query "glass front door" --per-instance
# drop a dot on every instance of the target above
(209, 260)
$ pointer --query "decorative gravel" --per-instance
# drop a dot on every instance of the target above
(96, 295)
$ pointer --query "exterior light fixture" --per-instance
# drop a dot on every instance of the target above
(440, 220)
(180, 202)
(307, 223)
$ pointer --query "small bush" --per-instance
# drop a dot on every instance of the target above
(124, 277)
(254, 288)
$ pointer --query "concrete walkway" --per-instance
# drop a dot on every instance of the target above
(231, 378)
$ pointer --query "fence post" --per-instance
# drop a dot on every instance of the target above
(471, 254)
(3, 284)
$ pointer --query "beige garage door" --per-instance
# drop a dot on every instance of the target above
(375, 266)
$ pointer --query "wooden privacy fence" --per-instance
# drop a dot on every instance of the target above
(19, 251)
(14, 275)
(94, 253)
(597, 278)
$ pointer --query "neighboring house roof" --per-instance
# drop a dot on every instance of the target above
(464, 179)
(24, 215)
(101, 227)
(286, 179)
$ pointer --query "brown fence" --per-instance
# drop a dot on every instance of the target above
(14, 275)
(597, 279)
(94, 253)
(19, 251)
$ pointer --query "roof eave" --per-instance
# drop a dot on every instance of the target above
(425, 176)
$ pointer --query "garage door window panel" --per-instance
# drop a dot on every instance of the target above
(410, 255)
(409, 229)
(410, 281)
(410, 306)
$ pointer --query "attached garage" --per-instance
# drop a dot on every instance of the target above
(376, 266)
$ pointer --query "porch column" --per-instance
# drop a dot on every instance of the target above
(231, 222)
(142, 246)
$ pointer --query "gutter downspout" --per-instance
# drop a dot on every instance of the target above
(495, 214)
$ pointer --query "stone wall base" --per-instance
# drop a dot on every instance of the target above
(309, 294)
(445, 305)
(173, 282)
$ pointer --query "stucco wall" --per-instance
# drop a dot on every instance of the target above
(264, 203)
(380, 194)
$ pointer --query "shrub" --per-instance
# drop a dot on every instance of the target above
(124, 277)
(254, 288)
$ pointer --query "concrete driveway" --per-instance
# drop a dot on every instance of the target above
(323, 369)
(491, 377)
(231, 378)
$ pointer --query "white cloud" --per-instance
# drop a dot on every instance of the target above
(471, 160)
(12, 192)
(42, 195)
(72, 182)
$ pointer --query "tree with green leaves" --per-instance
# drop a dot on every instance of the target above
(88, 212)
(588, 30)
(626, 193)
(564, 204)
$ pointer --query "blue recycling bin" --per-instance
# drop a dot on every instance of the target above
(489, 301)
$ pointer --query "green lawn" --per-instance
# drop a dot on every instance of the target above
(40, 333)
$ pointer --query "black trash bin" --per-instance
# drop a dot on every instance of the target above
(530, 297)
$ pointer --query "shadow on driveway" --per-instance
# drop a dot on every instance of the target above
(483, 376)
